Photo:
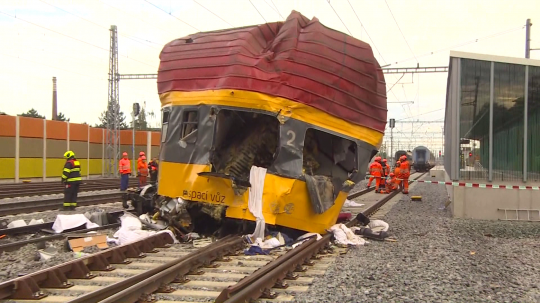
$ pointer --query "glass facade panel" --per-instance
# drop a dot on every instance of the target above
(508, 122)
(533, 125)
(474, 119)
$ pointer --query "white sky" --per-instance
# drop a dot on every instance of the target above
(30, 55)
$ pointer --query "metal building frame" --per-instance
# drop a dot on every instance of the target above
(113, 108)
(452, 115)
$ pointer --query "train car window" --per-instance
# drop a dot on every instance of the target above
(190, 122)
(243, 139)
(165, 114)
(328, 155)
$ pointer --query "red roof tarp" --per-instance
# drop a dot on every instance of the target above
(299, 59)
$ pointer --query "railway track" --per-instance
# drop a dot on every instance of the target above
(14, 208)
(153, 269)
(48, 188)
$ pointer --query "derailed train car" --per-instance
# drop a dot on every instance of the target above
(303, 103)
(423, 158)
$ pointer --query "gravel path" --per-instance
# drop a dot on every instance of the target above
(437, 259)
(359, 186)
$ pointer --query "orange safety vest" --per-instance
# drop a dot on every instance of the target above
(404, 169)
(387, 170)
(142, 167)
(125, 166)
(375, 169)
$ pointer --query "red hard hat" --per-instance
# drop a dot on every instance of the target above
(377, 158)
(124, 154)
(384, 160)
(141, 154)
(391, 174)
(143, 158)
(403, 157)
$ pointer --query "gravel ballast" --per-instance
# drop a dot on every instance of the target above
(436, 259)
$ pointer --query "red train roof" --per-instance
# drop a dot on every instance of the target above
(299, 59)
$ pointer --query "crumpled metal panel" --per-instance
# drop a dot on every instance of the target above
(299, 59)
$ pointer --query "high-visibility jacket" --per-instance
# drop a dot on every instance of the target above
(142, 168)
(404, 169)
(375, 169)
(397, 170)
(125, 166)
(72, 171)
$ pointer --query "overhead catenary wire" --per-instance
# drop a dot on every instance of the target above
(133, 38)
(71, 37)
(339, 17)
(172, 15)
(361, 24)
(213, 13)
(257, 11)
(58, 68)
(504, 32)
(276, 9)
(400, 30)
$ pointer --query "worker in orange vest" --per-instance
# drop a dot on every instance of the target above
(139, 161)
(391, 183)
(142, 169)
(397, 174)
(404, 171)
(125, 171)
(375, 171)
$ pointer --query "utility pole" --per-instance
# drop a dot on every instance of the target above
(528, 39)
(113, 109)
(392, 125)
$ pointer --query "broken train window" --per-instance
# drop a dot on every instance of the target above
(328, 161)
(190, 122)
(243, 139)
(165, 114)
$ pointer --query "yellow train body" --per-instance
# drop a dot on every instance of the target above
(286, 199)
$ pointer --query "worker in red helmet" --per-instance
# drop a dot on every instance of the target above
(142, 171)
(125, 170)
(375, 172)
(404, 173)
(139, 161)
(391, 183)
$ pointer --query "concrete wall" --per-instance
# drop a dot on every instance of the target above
(490, 203)
(34, 148)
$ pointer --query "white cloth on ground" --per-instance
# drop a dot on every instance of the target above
(64, 222)
(256, 179)
(378, 225)
(349, 203)
(131, 230)
(345, 236)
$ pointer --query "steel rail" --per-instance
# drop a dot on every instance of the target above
(29, 287)
(14, 208)
(112, 217)
(47, 184)
(273, 274)
(58, 189)
(154, 280)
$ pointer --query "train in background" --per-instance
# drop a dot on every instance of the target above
(408, 153)
(422, 159)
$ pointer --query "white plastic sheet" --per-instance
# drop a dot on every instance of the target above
(349, 203)
(256, 178)
(131, 230)
(345, 236)
(64, 222)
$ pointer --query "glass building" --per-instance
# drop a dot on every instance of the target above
(492, 120)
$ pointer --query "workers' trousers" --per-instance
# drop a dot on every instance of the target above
(124, 182)
(71, 191)
(377, 182)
